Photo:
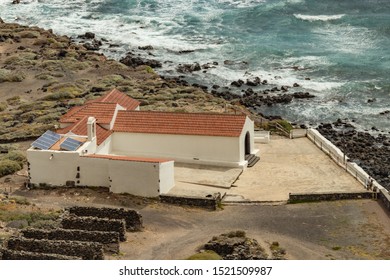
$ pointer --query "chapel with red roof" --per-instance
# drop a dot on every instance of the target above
(110, 142)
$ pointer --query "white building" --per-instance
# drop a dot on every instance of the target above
(108, 142)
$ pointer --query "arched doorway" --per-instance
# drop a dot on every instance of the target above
(247, 143)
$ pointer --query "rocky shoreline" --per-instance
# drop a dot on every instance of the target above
(372, 153)
(252, 93)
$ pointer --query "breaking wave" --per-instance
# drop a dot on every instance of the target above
(319, 17)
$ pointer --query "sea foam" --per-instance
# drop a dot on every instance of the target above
(319, 17)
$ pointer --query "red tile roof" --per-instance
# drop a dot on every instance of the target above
(103, 113)
(125, 158)
(116, 96)
(80, 128)
(72, 111)
(179, 123)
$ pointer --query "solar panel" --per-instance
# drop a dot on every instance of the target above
(70, 144)
(46, 140)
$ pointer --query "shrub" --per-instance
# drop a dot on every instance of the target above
(149, 70)
(16, 156)
(286, 125)
(52, 65)
(112, 79)
(48, 118)
(22, 59)
(3, 106)
(14, 100)
(11, 76)
(44, 76)
(74, 65)
(9, 167)
(206, 255)
(29, 34)
(58, 96)
(32, 218)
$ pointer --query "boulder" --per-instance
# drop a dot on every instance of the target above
(188, 68)
(254, 82)
(302, 95)
(236, 246)
(237, 83)
(134, 61)
(146, 48)
(87, 35)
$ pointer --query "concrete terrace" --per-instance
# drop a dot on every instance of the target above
(286, 166)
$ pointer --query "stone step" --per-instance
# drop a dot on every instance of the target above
(252, 160)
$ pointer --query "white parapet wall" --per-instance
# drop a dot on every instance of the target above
(167, 176)
(55, 168)
(262, 136)
(341, 159)
(93, 172)
(141, 177)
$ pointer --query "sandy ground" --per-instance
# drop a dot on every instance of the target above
(292, 166)
(286, 166)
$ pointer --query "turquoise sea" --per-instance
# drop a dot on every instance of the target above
(343, 46)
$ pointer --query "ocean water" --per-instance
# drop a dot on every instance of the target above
(343, 46)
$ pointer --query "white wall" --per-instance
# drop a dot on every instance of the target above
(94, 172)
(167, 177)
(105, 147)
(137, 178)
(56, 171)
(181, 148)
(248, 127)
(89, 146)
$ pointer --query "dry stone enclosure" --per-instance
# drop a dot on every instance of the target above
(132, 218)
(86, 233)
(109, 239)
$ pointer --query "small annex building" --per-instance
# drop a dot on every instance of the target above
(109, 142)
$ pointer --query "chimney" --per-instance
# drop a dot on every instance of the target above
(91, 128)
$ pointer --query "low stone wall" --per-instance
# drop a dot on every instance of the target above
(295, 198)
(209, 203)
(110, 240)
(95, 224)
(7, 254)
(83, 250)
(384, 198)
(133, 218)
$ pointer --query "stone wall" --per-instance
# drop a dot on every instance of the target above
(295, 198)
(133, 218)
(110, 240)
(7, 254)
(209, 203)
(95, 224)
(77, 249)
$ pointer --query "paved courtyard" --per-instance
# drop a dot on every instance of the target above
(286, 166)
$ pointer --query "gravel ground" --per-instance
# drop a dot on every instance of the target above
(354, 229)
